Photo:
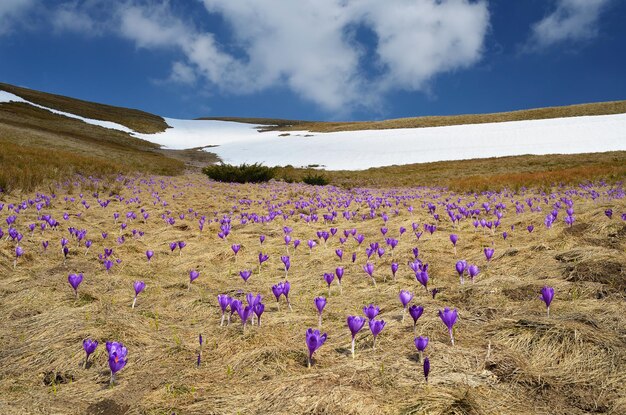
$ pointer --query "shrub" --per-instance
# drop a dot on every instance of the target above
(245, 173)
(315, 179)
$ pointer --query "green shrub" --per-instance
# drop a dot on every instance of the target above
(315, 179)
(245, 173)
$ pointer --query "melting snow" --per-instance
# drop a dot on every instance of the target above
(237, 143)
(357, 150)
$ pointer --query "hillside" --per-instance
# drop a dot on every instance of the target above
(40, 146)
(598, 108)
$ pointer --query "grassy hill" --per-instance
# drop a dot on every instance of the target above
(599, 108)
(38, 146)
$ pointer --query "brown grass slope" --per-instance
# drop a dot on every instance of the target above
(509, 358)
(482, 174)
(599, 108)
(140, 121)
(37, 146)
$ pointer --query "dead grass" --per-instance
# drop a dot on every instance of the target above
(37, 147)
(509, 357)
(137, 120)
(599, 108)
(478, 175)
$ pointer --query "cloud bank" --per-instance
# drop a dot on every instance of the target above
(311, 47)
(572, 20)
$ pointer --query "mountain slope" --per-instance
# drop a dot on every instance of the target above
(598, 108)
(140, 121)
(37, 145)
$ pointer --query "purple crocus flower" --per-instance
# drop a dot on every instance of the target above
(405, 298)
(286, 263)
(149, 255)
(339, 271)
(353, 257)
(75, 280)
(261, 239)
(371, 311)
(235, 248)
(530, 228)
(547, 295)
(89, 346)
(278, 291)
(339, 253)
(199, 351)
(460, 269)
(244, 314)
(259, 308)
(117, 357)
(355, 324)
(245, 274)
(369, 270)
(329, 277)
(139, 287)
(448, 317)
(422, 278)
(314, 340)
(19, 251)
(181, 245)
(454, 239)
(173, 246)
(609, 213)
(426, 368)
(394, 269)
(473, 271)
(488, 253)
(415, 311)
(262, 258)
(376, 326)
(193, 275)
(223, 301)
(320, 303)
(421, 343)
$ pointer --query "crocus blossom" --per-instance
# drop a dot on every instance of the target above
(314, 340)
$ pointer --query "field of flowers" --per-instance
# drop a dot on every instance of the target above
(163, 295)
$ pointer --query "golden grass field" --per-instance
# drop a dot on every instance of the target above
(509, 357)
(598, 108)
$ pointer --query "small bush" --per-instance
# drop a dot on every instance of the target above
(245, 173)
(315, 180)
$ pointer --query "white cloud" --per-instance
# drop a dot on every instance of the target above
(572, 20)
(309, 46)
(182, 74)
(71, 17)
(11, 11)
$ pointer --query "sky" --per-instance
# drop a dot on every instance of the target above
(318, 59)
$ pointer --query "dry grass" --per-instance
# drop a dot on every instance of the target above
(599, 108)
(485, 174)
(509, 357)
(139, 121)
(37, 146)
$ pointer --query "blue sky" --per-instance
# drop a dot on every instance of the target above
(317, 59)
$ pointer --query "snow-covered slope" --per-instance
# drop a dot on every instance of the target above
(8, 97)
(356, 150)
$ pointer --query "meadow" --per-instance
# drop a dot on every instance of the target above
(509, 356)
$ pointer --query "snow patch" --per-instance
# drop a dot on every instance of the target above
(358, 150)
